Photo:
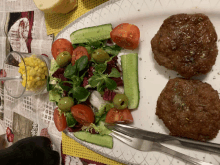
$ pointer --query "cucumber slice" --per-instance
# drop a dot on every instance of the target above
(129, 64)
(101, 140)
(91, 34)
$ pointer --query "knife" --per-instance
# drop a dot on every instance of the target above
(162, 138)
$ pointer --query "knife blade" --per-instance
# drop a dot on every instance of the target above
(162, 138)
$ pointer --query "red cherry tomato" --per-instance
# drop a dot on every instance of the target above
(61, 45)
(59, 120)
(83, 114)
(8, 131)
(126, 36)
(115, 115)
(10, 137)
(79, 52)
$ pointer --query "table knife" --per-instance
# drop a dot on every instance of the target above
(162, 138)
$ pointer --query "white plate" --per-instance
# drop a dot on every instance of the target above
(148, 15)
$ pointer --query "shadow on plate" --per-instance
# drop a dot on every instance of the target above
(165, 129)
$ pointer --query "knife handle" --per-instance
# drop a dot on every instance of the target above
(205, 146)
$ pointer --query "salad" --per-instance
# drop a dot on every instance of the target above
(89, 86)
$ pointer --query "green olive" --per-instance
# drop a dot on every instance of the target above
(65, 103)
(120, 101)
(100, 56)
(63, 59)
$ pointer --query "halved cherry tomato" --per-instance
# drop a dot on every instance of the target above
(59, 120)
(126, 36)
(61, 45)
(83, 114)
(10, 137)
(8, 131)
(115, 115)
(79, 52)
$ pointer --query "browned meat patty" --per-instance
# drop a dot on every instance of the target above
(190, 108)
(187, 44)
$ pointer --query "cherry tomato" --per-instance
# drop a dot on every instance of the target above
(59, 120)
(8, 131)
(61, 45)
(79, 52)
(126, 36)
(10, 137)
(83, 114)
(115, 115)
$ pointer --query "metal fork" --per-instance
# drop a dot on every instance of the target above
(145, 145)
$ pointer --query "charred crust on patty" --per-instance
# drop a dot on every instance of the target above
(186, 43)
(190, 108)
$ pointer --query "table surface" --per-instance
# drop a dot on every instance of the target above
(34, 113)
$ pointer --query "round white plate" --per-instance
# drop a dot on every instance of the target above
(148, 15)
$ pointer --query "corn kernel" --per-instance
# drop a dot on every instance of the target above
(42, 76)
(36, 68)
(36, 72)
(22, 66)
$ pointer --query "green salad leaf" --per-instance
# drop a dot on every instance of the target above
(55, 95)
(110, 84)
(102, 112)
(99, 128)
(101, 80)
(92, 46)
(114, 73)
(70, 71)
(100, 68)
(113, 50)
(71, 122)
(49, 86)
(64, 87)
(81, 63)
(101, 86)
(95, 80)
(80, 93)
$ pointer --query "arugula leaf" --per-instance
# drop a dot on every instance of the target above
(94, 80)
(100, 68)
(114, 73)
(110, 84)
(81, 94)
(70, 71)
(113, 50)
(81, 63)
(71, 122)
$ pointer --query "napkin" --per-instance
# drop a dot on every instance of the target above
(56, 22)
(71, 147)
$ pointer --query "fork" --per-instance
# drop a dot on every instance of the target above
(145, 145)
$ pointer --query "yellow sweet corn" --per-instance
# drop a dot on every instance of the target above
(36, 72)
